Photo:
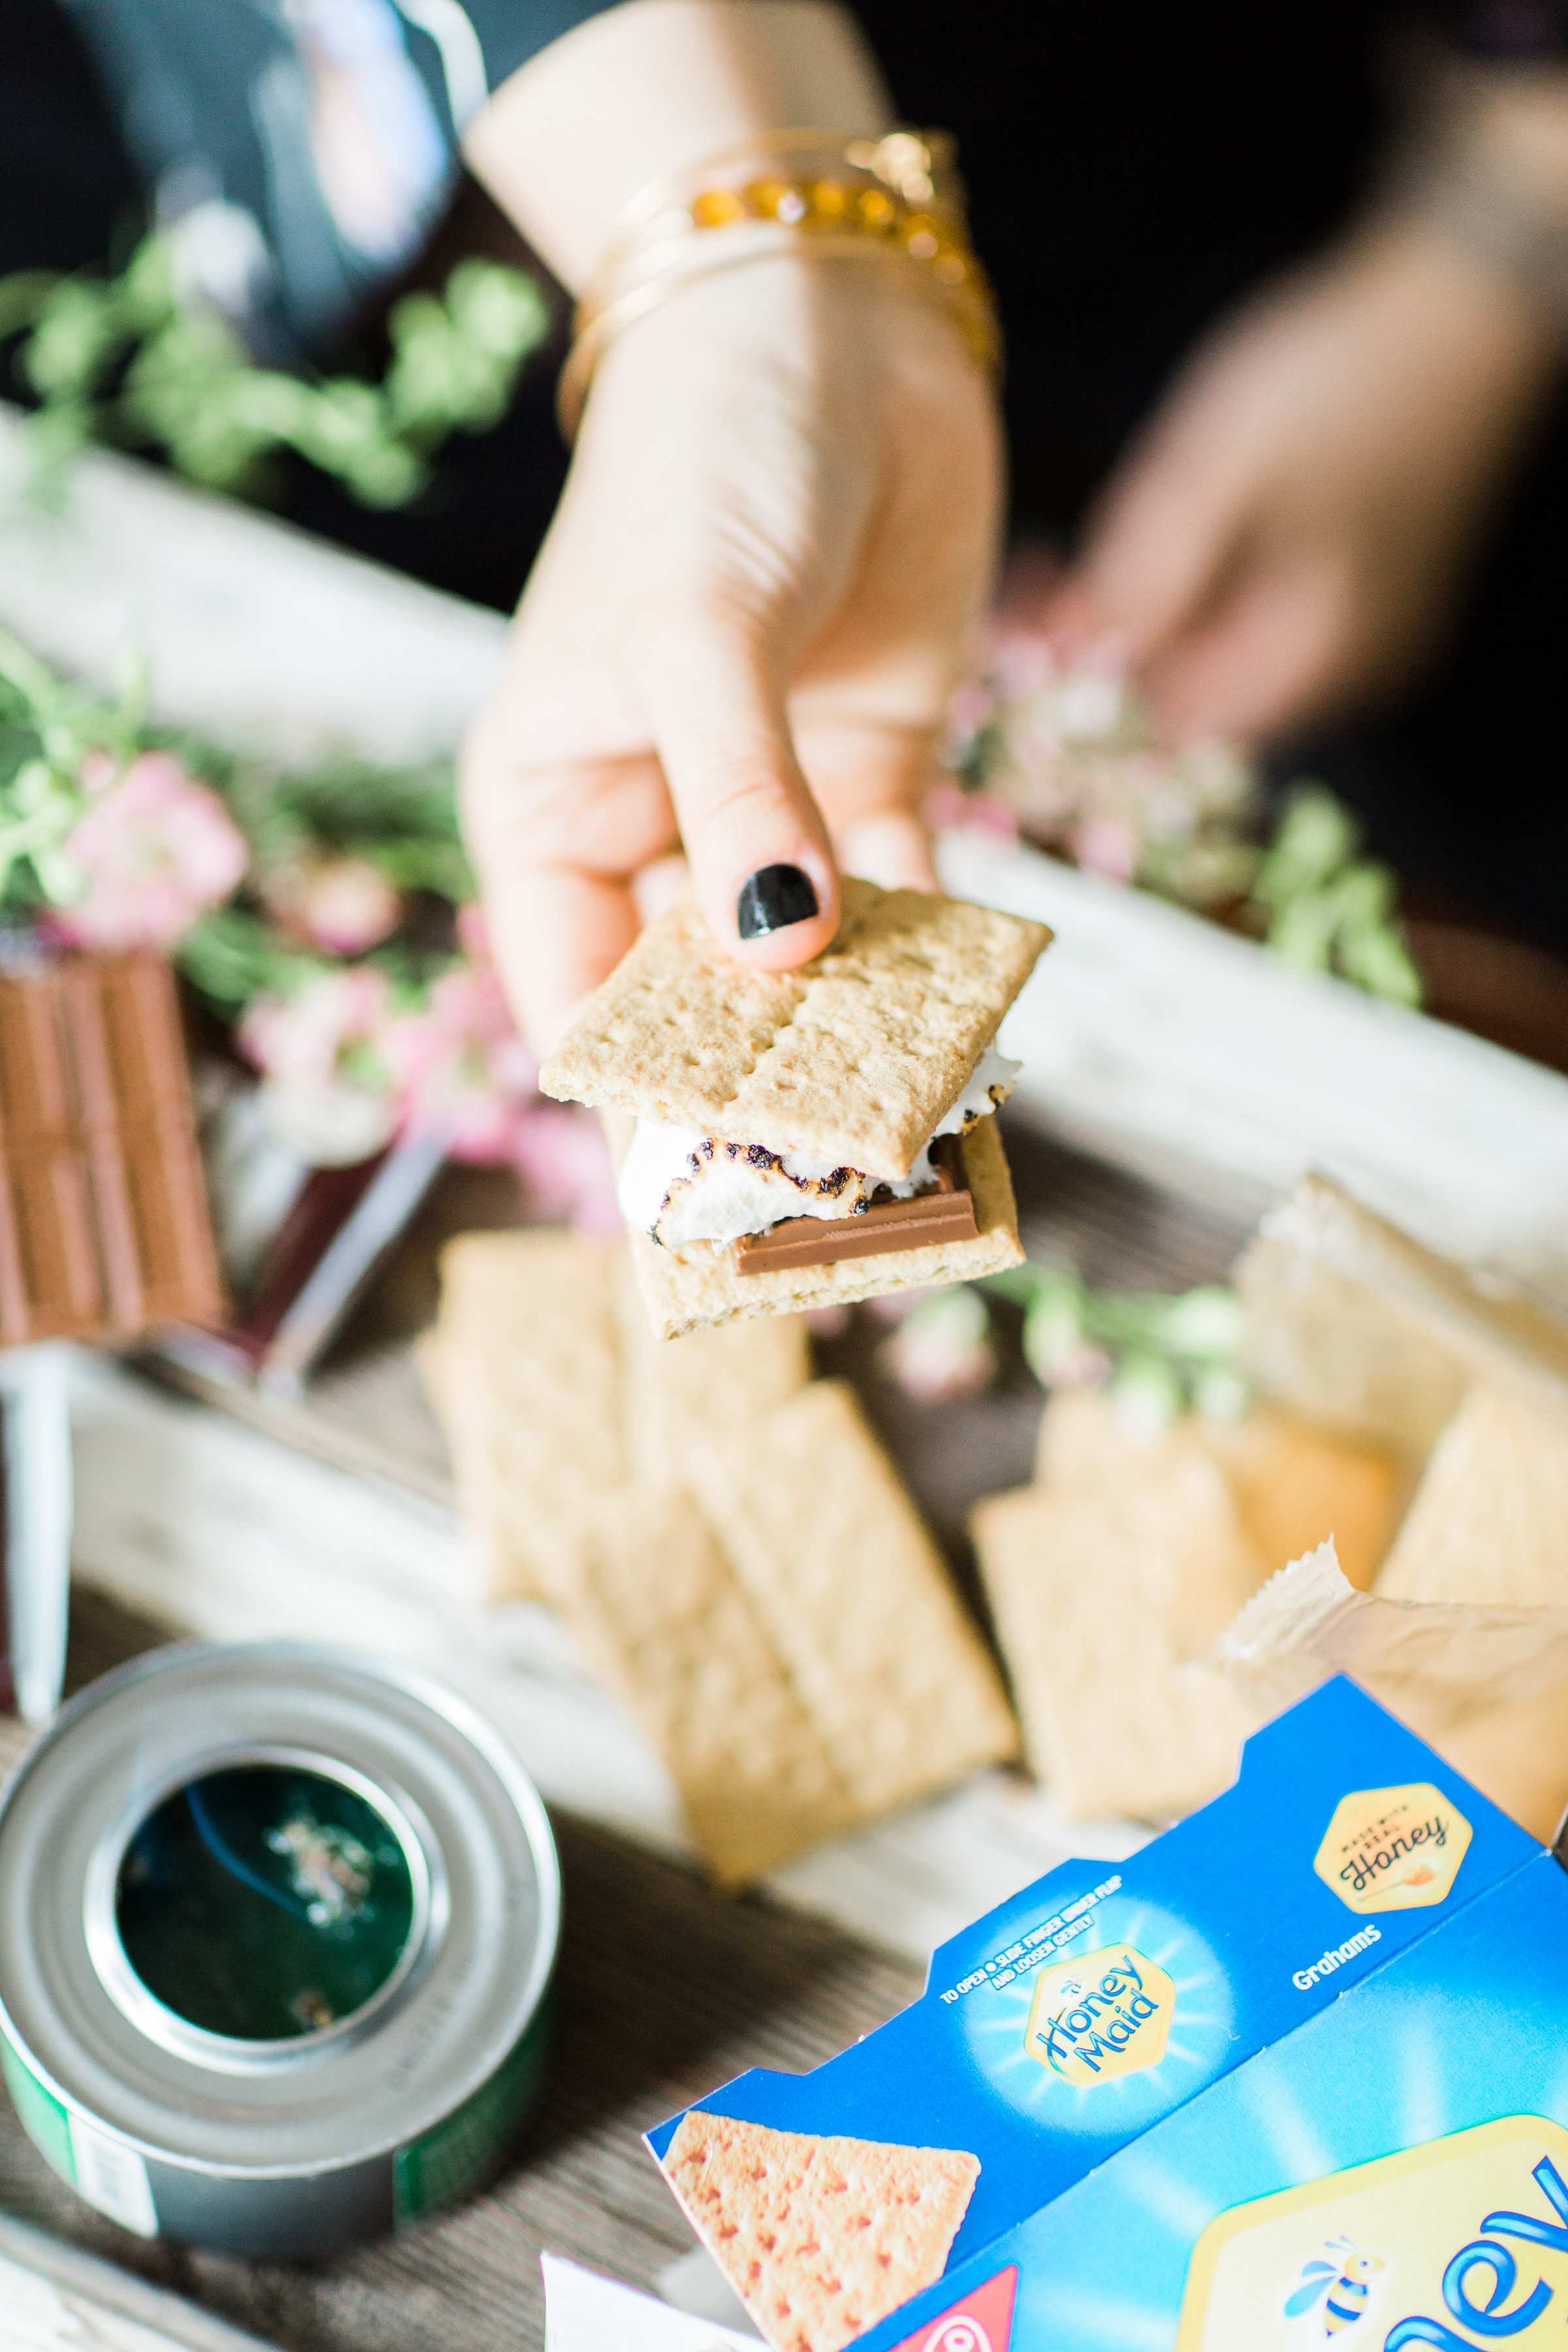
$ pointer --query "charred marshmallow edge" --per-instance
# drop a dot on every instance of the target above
(682, 1186)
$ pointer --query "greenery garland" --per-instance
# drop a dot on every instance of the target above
(126, 359)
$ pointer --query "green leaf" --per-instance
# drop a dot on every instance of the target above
(23, 295)
(1148, 1393)
(1304, 930)
(1221, 1393)
(1205, 1325)
(1378, 961)
(76, 335)
(1317, 836)
(232, 956)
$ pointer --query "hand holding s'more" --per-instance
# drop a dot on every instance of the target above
(809, 1136)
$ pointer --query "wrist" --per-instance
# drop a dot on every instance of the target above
(651, 88)
(892, 203)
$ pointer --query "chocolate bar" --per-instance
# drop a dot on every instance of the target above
(944, 1212)
(104, 1231)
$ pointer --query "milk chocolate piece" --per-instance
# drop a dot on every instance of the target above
(943, 1212)
(103, 1218)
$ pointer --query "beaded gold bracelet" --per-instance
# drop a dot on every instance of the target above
(896, 198)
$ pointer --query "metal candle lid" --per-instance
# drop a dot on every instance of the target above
(269, 1908)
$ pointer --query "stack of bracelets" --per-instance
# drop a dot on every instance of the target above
(897, 197)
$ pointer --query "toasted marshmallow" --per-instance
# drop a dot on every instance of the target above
(683, 1187)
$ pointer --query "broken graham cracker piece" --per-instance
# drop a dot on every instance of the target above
(1489, 1523)
(1102, 1600)
(530, 1318)
(661, 1614)
(699, 1386)
(851, 1059)
(1494, 1327)
(695, 1289)
(854, 1599)
(1325, 1345)
(1292, 1484)
(820, 2238)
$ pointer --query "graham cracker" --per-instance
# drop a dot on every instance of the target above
(1102, 1600)
(1495, 1328)
(1320, 1341)
(819, 2238)
(852, 1059)
(1489, 1519)
(531, 1319)
(703, 1385)
(1292, 1484)
(854, 1599)
(661, 1614)
(698, 1287)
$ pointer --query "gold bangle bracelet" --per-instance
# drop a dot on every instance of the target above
(894, 198)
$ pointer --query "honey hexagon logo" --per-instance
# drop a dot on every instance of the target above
(1101, 2016)
(1393, 1849)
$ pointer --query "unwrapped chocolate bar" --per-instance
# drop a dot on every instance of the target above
(104, 1231)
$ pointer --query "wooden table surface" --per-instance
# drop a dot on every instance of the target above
(665, 1988)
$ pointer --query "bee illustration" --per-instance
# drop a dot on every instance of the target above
(1341, 2274)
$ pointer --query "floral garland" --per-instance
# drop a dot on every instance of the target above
(1073, 760)
(326, 921)
(328, 918)
(1159, 1356)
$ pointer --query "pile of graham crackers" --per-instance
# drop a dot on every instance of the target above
(1142, 1587)
(731, 1545)
(740, 1561)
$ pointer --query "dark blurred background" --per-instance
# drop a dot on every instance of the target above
(1133, 169)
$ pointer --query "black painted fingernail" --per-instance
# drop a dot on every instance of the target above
(774, 898)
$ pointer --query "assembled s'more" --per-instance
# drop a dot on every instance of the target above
(809, 1136)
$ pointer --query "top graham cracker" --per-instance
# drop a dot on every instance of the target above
(851, 1060)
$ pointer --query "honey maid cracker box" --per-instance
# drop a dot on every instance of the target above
(1296, 2075)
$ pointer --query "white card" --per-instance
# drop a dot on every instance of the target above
(585, 2313)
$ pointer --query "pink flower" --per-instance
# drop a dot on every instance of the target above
(157, 849)
(1109, 846)
(559, 1153)
(1021, 662)
(943, 1348)
(341, 904)
(948, 808)
(473, 932)
(460, 1068)
(326, 1092)
(307, 1039)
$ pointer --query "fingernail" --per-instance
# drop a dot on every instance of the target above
(774, 898)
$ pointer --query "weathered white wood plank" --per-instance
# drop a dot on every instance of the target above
(260, 634)
(1160, 1042)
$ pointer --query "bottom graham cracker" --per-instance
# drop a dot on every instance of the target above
(694, 1289)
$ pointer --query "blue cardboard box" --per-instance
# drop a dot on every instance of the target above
(1295, 2074)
